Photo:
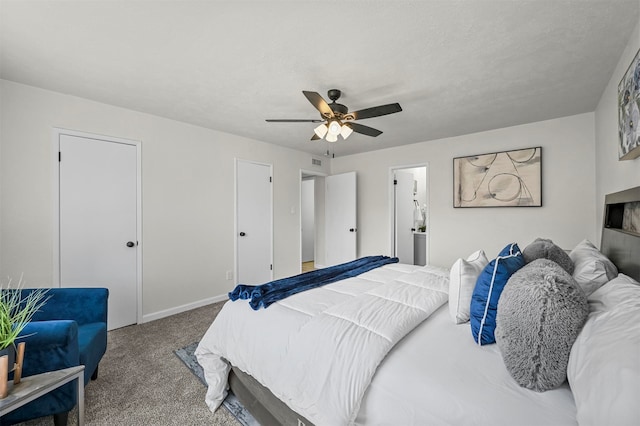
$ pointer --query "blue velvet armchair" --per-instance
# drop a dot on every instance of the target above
(70, 330)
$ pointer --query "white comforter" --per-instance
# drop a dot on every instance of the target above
(318, 350)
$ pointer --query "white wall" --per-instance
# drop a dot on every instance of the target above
(568, 179)
(613, 175)
(187, 194)
(2, 114)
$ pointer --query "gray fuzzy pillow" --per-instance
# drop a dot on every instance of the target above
(540, 313)
(543, 248)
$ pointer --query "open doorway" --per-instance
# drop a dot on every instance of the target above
(311, 220)
(409, 214)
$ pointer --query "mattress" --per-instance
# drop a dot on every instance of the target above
(438, 375)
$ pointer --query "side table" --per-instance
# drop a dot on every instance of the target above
(35, 386)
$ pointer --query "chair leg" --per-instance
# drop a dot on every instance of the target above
(94, 376)
(61, 419)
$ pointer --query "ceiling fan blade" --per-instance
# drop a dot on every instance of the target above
(315, 137)
(376, 111)
(293, 120)
(365, 130)
(319, 103)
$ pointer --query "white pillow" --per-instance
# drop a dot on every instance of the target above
(462, 280)
(604, 365)
(592, 269)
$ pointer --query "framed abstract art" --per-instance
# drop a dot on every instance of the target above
(629, 112)
(499, 179)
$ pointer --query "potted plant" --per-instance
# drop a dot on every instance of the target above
(16, 311)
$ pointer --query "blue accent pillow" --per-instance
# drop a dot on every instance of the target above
(489, 286)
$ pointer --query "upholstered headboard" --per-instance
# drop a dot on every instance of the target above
(621, 231)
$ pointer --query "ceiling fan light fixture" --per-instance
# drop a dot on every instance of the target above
(334, 128)
(332, 117)
(321, 130)
(346, 131)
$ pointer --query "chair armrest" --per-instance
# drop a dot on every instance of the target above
(50, 345)
(83, 305)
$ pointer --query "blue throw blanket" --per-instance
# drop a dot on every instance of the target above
(266, 294)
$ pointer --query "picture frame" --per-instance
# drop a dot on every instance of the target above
(498, 179)
(629, 112)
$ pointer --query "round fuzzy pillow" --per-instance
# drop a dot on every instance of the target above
(543, 248)
(540, 313)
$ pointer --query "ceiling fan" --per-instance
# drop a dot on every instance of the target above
(336, 118)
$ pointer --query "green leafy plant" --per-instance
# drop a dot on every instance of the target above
(17, 311)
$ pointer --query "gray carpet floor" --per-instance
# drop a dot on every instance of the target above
(142, 382)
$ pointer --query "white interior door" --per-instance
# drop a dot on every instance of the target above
(254, 223)
(340, 218)
(307, 219)
(404, 211)
(98, 221)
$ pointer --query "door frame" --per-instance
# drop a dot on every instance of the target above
(392, 223)
(308, 173)
(55, 149)
(235, 215)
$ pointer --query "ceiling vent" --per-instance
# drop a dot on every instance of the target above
(316, 162)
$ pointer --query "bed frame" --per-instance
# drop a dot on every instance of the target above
(620, 243)
(621, 231)
(261, 403)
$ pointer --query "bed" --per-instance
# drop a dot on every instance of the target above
(431, 371)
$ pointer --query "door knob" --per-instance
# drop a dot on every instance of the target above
(242, 234)
(130, 244)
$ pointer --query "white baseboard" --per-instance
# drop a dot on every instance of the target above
(318, 266)
(183, 308)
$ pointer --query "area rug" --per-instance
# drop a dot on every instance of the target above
(231, 403)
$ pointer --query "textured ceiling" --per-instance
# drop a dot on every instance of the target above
(456, 67)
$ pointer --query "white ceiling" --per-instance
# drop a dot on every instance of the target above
(455, 67)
